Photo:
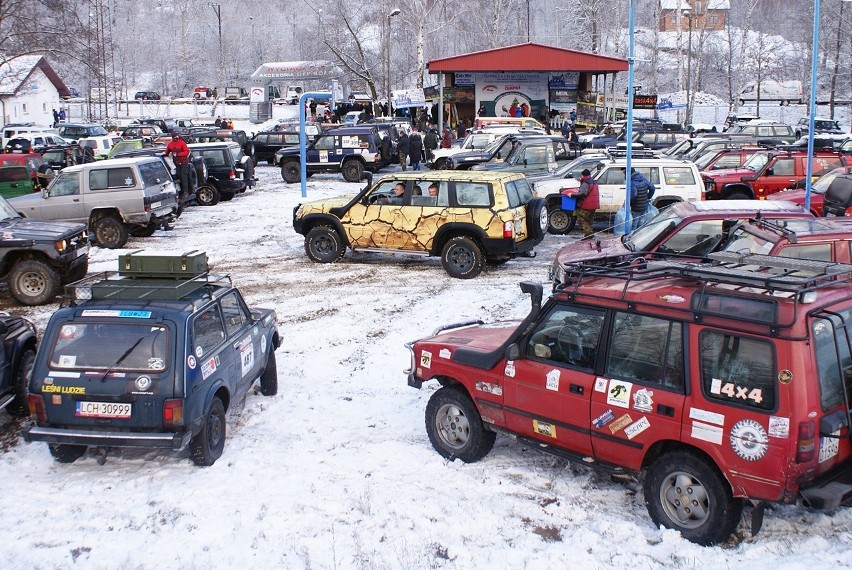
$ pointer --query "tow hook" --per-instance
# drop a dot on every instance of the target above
(528, 254)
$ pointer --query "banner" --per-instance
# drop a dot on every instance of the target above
(405, 98)
(511, 94)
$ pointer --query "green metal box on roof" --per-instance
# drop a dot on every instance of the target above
(163, 265)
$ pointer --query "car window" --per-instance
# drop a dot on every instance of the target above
(104, 178)
(153, 172)
(737, 370)
(111, 346)
(473, 194)
(214, 158)
(324, 143)
(784, 167)
(65, 184)
(261, 139)
(568, 336)
(678, 175)
(832, 351)
(236, 315)
(695, 238)
(207, 331)
(824, 164)
(647, 350)
(818, 251)
(612, 176)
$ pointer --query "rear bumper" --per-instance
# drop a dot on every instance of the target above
(830, 490)
(169, 440)
(502, 247)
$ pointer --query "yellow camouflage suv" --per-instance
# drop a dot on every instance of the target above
(466, 217)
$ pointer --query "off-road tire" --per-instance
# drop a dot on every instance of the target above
(455, 427)
(352, 170)
(559, 221)
(291, 171)
(110, 232)
(323, 244)
(440, 164)
(18, 407)
(146, 231)
(537, 219)
(269, 378)
(33, 282)
(66, 453)
(462, 257)
(207, 195)
(207, 446)
(686, 493)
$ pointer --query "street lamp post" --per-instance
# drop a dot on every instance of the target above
(394, 12)
(688, 15)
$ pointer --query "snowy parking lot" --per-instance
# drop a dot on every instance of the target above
(337, 471)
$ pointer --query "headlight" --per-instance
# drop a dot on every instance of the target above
(60, 245)
(299, 211)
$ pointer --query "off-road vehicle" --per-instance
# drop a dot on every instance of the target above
(348, 150)
(474, 218)
(717, 383)
(114, 198)
(17, 354)
(150, 357)
(37, 257)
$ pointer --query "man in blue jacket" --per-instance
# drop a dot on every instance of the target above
(641, 193)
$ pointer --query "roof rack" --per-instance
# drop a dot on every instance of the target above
(760, 280)
(614, 152)
(110, 285)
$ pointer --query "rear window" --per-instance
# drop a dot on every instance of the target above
(518, 192)
(473, 194)
(153, 173)
(111, 347)
(737, 370)
(679, 175)
(111, 178)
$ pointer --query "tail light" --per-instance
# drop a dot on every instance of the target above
(173, 413)
(806, 445)
(848, 211)
(147, 207)
(508, 230)
(35, 403)
(231, 175)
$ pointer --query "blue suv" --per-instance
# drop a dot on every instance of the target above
(348, 150)
(150, 357)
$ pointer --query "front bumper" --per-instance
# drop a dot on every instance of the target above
(174, 441)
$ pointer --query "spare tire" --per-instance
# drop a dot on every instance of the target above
(536, 219)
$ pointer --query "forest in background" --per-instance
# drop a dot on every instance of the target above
(170, 46)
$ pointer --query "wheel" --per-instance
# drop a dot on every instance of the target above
(440, 164)
(324, 245)
(685, 493)
(352, 170)
(291, 171)
(110, 232)
(207, 446)
(462, 258)
(66, 453)
(18, 407)
(455, 427)
(269, 378)
(537, 219)
(146, 231)
(559, 221)
(207, 195)
(738, 196)
(78, 272)
(33, 282)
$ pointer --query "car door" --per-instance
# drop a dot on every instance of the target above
(547, 390)
(639, 397)
(216, 358)
(64, 200)
(244, 338)
(370, 222)
(323, 152)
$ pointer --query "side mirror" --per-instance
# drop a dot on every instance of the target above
(513, 351)
(44, 193)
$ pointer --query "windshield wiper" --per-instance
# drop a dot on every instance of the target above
(121, 358)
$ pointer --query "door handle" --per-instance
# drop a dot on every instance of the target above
(665, 410)
(75, 199)
(575, 389)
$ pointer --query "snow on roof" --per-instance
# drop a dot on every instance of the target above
(13, 72)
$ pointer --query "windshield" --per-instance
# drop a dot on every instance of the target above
(112, 346)
(680, 148)
(703, 161)
(821, 185)
(6, 210)
(742, 241)
(757, 161)
(650, 233)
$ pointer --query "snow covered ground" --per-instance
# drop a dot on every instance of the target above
(336, 471)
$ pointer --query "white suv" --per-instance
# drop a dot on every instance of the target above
(674, 180)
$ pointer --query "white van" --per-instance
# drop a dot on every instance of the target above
(674, 180)
(16, 130)
(771, 90)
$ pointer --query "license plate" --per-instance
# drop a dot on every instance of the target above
(829, 446)
(103, 410)
(156, 205)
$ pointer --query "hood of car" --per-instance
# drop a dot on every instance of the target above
(481, 337)
(734, 173)
(587, 249)
(39, 230)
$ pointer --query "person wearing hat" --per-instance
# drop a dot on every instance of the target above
(180, 156)
(589, 200)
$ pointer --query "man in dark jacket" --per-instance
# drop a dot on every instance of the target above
(430, 143)
(641, 193)
(415, 150)
(402, 149)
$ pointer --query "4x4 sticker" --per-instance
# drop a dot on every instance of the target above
(545, 429)
(735, 391)
(748, 440)
(426, 359)
(618, 393)
(642, 400)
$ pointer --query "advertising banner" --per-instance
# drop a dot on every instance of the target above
(404, 98)
(511, 94)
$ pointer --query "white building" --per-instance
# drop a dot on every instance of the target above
(29, 91)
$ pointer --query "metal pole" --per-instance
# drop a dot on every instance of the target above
(689, 71)
(812, 108)
(303, 140)
(629, 155)
(390, 14)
